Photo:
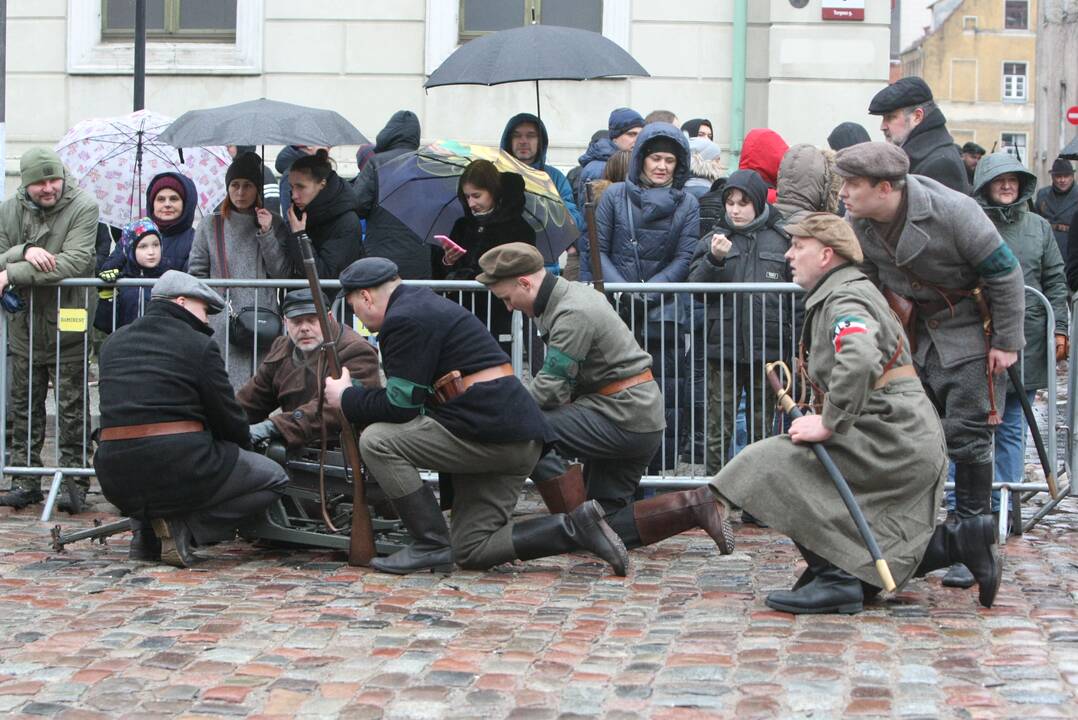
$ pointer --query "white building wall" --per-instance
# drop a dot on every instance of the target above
(369, 58)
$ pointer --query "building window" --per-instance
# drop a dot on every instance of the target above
(1014, 82)
(969, 22)
(1014, 144)
(171, 20)
(1016, 14)
(479, 17)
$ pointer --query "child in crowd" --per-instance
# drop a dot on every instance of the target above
(141, 242)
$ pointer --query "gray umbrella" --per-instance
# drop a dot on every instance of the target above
(261, 122)
(1071, 151)
(533, 53)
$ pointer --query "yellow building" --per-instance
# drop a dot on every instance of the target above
(978, 58)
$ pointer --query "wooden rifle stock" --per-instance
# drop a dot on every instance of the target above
(361, 545)
(593, 238)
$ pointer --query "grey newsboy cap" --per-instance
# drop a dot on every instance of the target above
(876, 160)
(298, 303)
(367, 273)
(904, 92)
(509, 261)
(174, 284)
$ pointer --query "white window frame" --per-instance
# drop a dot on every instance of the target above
(1024, 97)
(1029, 18)
(87, 54)
(1009, 149)
(443, 28)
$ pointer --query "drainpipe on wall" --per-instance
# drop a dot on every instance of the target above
(737, 78)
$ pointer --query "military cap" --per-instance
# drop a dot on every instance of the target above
(904, 92)
(298, 302)
(367, 273)
(832, 231)
(972, 148)
(509, 261)
(174, 284)
(876, 160)
(1062, 166)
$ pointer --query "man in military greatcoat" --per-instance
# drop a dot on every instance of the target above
(602, 404)
(453, 405)
(880, 429)
(946, 270)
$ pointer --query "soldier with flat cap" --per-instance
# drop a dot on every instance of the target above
(288, 376)
(971, 154)
(174, 450)
(453, 405)
(911, 120)
(601, 402)
(946, 270)
(880, 429)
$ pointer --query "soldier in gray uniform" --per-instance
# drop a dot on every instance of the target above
(879, 428)
(932, 250)
(601, 402)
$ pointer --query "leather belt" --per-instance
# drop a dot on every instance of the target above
(905, 371)
(626, 383)
(1060, 227)
(133, 432)
(453, 384)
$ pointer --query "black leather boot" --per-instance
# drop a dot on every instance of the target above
(827, 589)
(430, 548)
(581, 529)
(19, 498)
(972, 497)
(972, 542)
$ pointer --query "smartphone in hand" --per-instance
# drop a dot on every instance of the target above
(447, 244)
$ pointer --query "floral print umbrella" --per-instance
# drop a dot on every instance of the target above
(114, 159)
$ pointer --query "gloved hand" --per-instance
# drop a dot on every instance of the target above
(263, 432)
(109, 276)
(1063, 347)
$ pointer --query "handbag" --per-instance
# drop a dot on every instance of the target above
(250, 322)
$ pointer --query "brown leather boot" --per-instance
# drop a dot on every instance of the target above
(667, 515)
(565, 492)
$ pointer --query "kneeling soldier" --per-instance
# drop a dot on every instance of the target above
(601, 402)
(452, 404)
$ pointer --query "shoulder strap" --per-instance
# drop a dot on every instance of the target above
(219, 234)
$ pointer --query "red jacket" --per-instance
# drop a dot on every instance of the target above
(762, 151)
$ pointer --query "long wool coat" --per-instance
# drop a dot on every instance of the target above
(888, 442)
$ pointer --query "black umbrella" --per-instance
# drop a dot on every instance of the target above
(533, 53)
(1071, 151)
(262, 122)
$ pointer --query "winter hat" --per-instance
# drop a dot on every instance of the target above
(706, 149)
(1061, 167)
(168, 182)
(662, 143)
(133, 232)
(39, 164)
(247, 166)
(622, 120)
(846, 134)
(364, 154)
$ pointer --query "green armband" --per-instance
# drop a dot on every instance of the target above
(406, 394)
(560, 365)
(1000, 262)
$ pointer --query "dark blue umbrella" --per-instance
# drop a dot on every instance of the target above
(533, 53)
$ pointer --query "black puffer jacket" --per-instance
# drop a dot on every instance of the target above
(166, 367)
(933, 153)
(757, 255)
(334, 230)
(387, 236)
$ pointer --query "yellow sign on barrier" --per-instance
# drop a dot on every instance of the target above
(72, 320)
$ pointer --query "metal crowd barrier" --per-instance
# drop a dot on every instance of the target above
(674, 322)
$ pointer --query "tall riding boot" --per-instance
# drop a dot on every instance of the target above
(830, 590)
(668, 514)
(580, 529)
(430, 548)
(565, 492)
(972, 497)
(972, 542)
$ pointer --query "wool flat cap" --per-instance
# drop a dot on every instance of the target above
(1062, 167)
(972, 148)
(298, 303)
(174, 284)
(509, 261)
(903, 92)
(876, 160)
(832, 231)
(367, 273)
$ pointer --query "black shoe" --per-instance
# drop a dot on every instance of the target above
(72, 500)
(19, 498)
(145, 546)
(582, 529)
(959, 576)
(832, 590)
(176, 542)
(430, 548)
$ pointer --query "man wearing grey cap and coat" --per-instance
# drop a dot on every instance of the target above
(174, 448)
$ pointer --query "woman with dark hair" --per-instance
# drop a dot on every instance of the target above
(323, 209)
(241, 240)
(698, 127)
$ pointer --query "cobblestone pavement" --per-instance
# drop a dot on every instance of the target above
(267, 633)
